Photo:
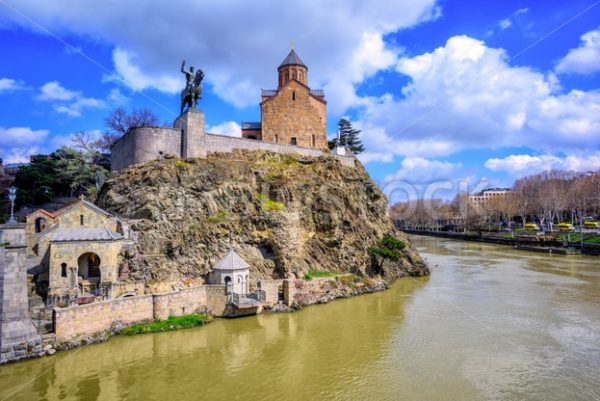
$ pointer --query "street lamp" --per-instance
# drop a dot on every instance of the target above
(12, 195)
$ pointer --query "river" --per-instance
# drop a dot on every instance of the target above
(490, 323)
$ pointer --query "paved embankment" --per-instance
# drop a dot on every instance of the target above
(522, 242)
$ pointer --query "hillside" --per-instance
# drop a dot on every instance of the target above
(285, 215)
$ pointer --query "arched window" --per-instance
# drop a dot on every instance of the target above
(239, 279)
(63, 270)
(40, 224)
(294, 95)
(81, 219)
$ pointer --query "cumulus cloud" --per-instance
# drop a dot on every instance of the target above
(69, 102)
(584, 59)
(421, 170)
(10, 85)
(228, 128)
(17, 143)
(240, 56)
(466, 95)
(520, 165)
(419, 177)
(53, 90)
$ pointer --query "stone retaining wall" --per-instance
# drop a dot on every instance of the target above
(271, 289)
(85, 320)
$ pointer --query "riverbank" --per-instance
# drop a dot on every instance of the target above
(531, 243)
(300, 293)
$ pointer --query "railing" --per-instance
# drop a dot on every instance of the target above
(317, 92)
(236, 299)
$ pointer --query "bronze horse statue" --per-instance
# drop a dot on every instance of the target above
(193, 88)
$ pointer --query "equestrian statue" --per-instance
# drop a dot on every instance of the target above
(193, 87)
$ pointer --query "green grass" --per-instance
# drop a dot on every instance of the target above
(576, 237)
(316, 274)
(269, 205)
(172, 323)
(217, 217)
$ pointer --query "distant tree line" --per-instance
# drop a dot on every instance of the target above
(547, 198)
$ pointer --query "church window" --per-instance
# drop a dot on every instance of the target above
(276, 138)
(294, 141)
(81, 219)
(312, 142)
(63, 270)
(294, 95)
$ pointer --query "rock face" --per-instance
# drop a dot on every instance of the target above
(285, 215)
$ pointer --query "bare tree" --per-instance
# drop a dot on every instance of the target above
(119, 122)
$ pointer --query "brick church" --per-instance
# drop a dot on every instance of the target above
(293, 114)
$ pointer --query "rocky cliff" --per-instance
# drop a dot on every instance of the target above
(285, 215)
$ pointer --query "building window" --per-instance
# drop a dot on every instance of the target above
(40, 224)
(313, 141)
(294, 95)
(293, 141)
(276, 138)
(63, 270)
(81, 220)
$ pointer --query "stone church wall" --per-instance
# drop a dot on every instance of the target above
(294, 113)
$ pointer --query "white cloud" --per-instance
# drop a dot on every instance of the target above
(10, 85)
(71, 103)
(520, 165)
(505, 23)
(421, 170)
(585, 59)
(53, 90)
(466, 95)
(17, 143)
(131, 73)
(228, 128)
(339, 40)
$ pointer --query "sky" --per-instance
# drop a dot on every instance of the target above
(450, 95)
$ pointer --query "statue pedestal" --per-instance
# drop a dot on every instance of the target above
(193, 136)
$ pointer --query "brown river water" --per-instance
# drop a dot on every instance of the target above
(489, 324)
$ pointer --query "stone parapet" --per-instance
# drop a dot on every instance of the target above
(86, 320)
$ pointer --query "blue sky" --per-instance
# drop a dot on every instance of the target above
(446, 92)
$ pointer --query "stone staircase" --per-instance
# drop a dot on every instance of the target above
(40, 314)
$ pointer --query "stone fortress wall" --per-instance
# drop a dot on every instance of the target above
(144, 144)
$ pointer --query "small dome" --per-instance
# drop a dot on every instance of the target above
(232, 261)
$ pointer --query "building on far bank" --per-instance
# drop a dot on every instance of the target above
(482, 199)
